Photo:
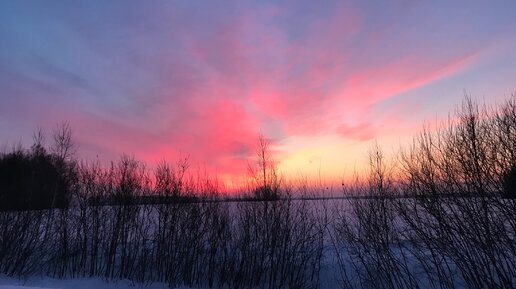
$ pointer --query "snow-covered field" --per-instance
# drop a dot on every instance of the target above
(95, 283)
(80, 283)
(321, 244)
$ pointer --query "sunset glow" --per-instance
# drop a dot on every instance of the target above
(202, 79)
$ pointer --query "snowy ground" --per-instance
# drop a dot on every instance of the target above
(81, 283)
(98, 283)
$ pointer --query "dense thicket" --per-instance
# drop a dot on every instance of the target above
(34, 179)
(443, 213)
(267, 244)
(123, 221)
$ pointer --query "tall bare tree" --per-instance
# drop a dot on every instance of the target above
(265, 172)
(63, 146)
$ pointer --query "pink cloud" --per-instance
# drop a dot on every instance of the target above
(360, 132)
(405, 74)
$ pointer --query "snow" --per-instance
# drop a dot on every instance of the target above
(79, 283)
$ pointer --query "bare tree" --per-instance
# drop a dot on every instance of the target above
(38, 142)
(63, 146)
(265, 172)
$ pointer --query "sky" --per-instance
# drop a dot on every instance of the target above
(322, 80)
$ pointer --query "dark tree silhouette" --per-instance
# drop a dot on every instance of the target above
(510, 183)
(264, 172)
(36, 179)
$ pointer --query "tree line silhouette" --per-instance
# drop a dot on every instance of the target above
(36, 178)
(441, 213)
